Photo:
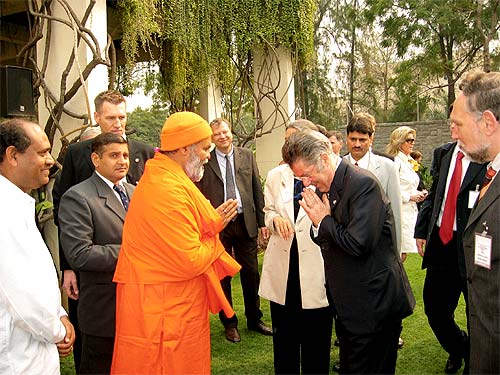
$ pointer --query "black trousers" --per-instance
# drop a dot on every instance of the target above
(301, 339)
(97, 354)
(244, 248)
(373, 353)
(442, 289)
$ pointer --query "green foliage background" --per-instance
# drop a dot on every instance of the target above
(202, 38)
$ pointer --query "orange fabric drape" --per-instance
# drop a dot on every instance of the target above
(168, 274)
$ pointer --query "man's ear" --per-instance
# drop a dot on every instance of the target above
(96, 117)
(95, 159)
(491, 122)
(184, 150)
(325, 158)
(11, 155)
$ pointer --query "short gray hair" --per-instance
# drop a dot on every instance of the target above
(307, 145)
(482, 91)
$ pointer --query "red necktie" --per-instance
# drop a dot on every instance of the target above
(448, 219)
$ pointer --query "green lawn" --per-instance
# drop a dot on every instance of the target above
(421, 354)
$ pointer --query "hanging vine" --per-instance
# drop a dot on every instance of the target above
(202, 39)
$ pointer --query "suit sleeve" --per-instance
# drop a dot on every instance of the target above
(77, 232)
(257, 194)
(425, 212)
(359, 230)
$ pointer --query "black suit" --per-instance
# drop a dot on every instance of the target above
(91, 220)
(77, 167)
(446, 277)
(366, 280)
(240, 236)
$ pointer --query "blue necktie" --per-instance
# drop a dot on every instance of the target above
(123, 197)
(230, 188)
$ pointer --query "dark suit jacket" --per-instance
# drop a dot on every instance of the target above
(248, 183)
(429, 211)
(91, 222)
(484, 285)
(77, 167)
(365, 277)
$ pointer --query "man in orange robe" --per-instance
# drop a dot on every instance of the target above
(171, 260)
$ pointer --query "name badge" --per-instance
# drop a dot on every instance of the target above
(482, 250)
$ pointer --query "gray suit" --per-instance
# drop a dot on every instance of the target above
(484, 285)
(91, 222)
(387, 174)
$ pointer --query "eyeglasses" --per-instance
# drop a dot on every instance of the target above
(410, 140)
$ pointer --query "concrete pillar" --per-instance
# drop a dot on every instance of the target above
(62, 42)
(275, 107)
(210, 101)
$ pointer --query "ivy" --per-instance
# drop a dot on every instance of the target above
(202, 38)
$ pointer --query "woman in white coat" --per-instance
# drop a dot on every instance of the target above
(293, 280)
(400, 146)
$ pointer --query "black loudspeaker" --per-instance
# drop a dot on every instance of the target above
(16, 92)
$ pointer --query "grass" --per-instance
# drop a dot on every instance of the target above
(421, 354)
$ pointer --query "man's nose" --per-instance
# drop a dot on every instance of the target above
(50, 160)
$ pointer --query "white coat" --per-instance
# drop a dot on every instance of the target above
(278, 195)
(409, 182)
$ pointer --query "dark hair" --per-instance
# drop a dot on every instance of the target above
(111, 96)
(13, 133)
(361, 122)
(482, 91)
(416, 154)
(105, 139)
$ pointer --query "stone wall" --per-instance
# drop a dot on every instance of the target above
(430, 134)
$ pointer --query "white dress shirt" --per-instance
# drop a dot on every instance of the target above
(221, 159)
(30, 300)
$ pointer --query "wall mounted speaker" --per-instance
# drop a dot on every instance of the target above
(16, 92)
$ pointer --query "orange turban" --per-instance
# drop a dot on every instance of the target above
(182, 129)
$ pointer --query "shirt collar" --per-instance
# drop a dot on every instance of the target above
(109, 183)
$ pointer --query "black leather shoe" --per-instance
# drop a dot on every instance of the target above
(261, 328)
(232, 334)
(453, 364)
(336, 367)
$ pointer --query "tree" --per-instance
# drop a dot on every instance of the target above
(200, 40)
(146, 124)
(441, 33)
